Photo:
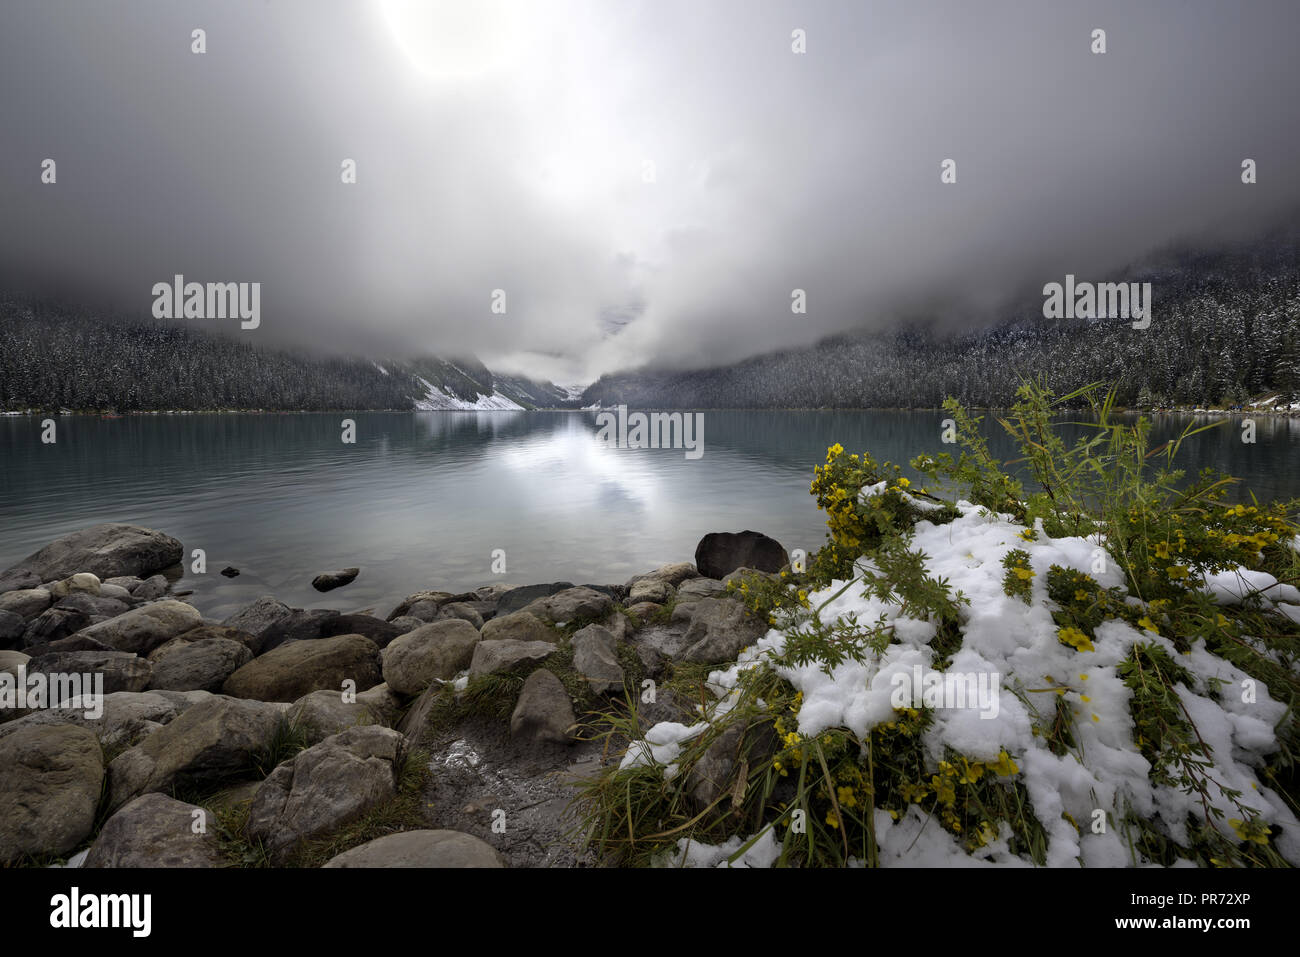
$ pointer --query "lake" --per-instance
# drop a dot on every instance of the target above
(422, 500)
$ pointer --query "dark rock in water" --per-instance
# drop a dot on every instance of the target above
(11, 630)
(376, 629)
(104, 550)
(518, 598)
(230, 571)
(53, 624)
(326, 581)
(720, 553)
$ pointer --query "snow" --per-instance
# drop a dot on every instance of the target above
(1018, 641)
(435, 400)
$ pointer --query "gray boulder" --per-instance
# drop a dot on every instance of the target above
(520, 626)
(105, 551)
(651, 589)
(292, 670)
(82, 583)
(208, 742)
(325, 713)
(517, 599)
(127, 718)
(463, 610)
(544, 713)
(202, 665)
(595, 659)
(325, 787)
(143, 629)
(439, 650)
(421, 849)
(53, 624)
(122, 670)
(157, 831)
(572, 604)
(719, 630)
(50, 781)
(155, 586)
(26, 602)
(506, 654)
(94, 605)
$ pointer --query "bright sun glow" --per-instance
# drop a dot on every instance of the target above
(451, 39)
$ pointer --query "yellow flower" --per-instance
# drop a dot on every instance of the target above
(1162, 550)
(1080, 595)
(1148, 624)
(1004, 767)
(904, 483)
(1176, 572)
(1075, 639)
(1024, 574)
(832, 820)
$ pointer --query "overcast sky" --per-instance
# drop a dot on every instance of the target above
(506, 145)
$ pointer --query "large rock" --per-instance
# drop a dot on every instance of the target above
(12, 627)
(325, 787)
(10, 660)
(506, 654)
(325, 713)
(572, 604)
(326, 581)
(719, 630)
(74, 642)
(204, 632)
(53, 624)
(652, 590)
(698, 588)
(462, 610)
(673, 574)
(199, 665)
(101, 605)
(124, 719)
(82, 583)
(519, 626)
(439, 650)
(50, 781)
(105, 551)
(714, 773)
(720, 553)
(257, 618)
(517, 599)
(155, 586)
(594, 658)
(207, 743)
(301, 624)
(421, 849)
(156, 831)
(431, 600)
(143, 629)
(544, 713)
(26, 602)
(122, 670)
(290, 671)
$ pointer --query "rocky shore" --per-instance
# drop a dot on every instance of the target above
(448, 733)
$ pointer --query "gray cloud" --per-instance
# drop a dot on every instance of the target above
(506, 145)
